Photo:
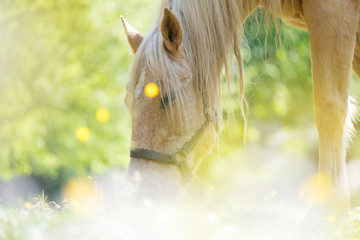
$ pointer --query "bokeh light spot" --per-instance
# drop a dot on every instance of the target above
(151, 90)
(102, 115)
(316, 189)
(82, 194)
(332, 219)
(82, 133)
(78, 188)
(90, 177)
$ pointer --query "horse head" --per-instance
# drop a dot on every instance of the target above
(171, 130)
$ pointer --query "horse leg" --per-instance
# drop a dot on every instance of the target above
(332, 26)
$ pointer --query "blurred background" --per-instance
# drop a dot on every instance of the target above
(63, 70)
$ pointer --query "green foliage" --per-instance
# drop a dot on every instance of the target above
(279, 75)
(60, 61)
(351, 225)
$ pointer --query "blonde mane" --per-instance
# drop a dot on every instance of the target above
(212, 35)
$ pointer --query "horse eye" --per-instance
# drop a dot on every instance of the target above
(167, 98)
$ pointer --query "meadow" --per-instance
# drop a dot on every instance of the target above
(65, 134)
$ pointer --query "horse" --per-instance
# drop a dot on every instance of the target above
(184, 54)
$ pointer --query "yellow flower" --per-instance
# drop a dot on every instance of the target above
(90, 177)
(28, 205)
(102, 115)
(82, 133)
(151, 90)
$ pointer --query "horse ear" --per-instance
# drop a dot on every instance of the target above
(171, 31)
(133, 36)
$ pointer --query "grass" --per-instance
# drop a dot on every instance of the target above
(214, 214)
(149, 220)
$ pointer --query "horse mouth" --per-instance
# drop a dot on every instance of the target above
(153, 180)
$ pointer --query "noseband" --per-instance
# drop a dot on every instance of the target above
(178, 158)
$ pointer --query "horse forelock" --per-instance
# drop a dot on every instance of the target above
(152, 61)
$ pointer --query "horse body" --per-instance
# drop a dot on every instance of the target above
(193, 41)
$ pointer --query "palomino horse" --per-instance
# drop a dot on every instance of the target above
(184, 54)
